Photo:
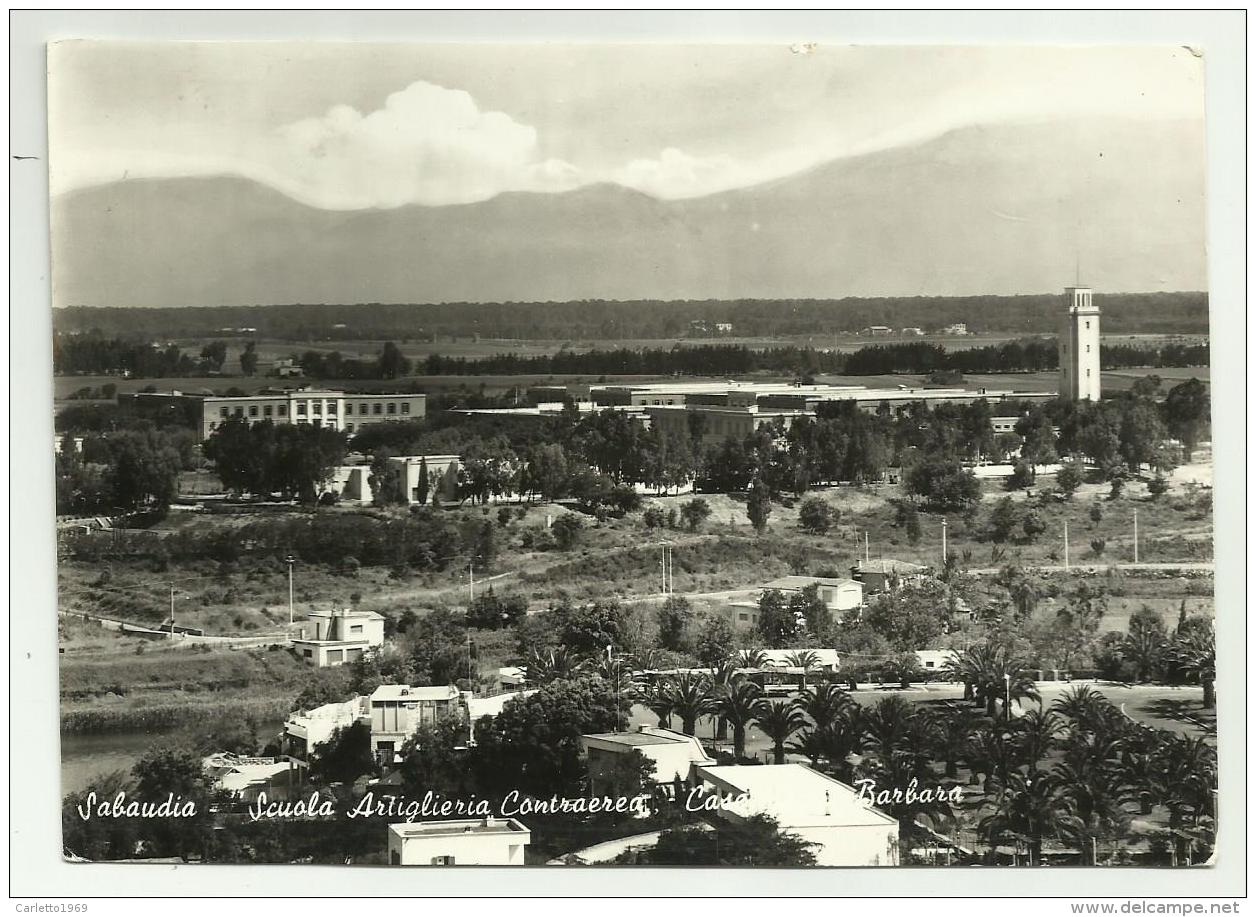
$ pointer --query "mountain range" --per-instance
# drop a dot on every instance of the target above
(1014, 208)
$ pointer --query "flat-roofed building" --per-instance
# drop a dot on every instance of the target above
(397, 712)
(459, 842)
(673, 754)
(330, 408)
(839, 596)
(305, 730)
(842, 829)
(331, 638)
(877, 575)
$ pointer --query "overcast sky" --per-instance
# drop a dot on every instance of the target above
(347, 126)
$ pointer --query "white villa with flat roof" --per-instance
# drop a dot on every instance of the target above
(462, 842)
(828, 814)
(397, 712)
(673, 754)
(337, 637)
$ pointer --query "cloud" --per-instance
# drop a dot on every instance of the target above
(426, 145)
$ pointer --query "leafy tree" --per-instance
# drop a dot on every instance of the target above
(248, 359)
(392, 363)
(758, 505)
(1033, 526)
(780, 623)
(1141, 433)
(944, 484)
(385, 481)
(1186, 413)
(534, 743)
(714, 640)
(1004, 517)
(491, 612)
(424, 485)
(1022, 477)
(591, 628)
(1158, 485)
(694, 512)
(816, 516)
(673, 621)
(344, 757)
(1069, 478)
(566, 531)
(911, 617)
(547, 470)
(215, 355)
(756, 841)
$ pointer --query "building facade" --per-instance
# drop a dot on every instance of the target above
(339, 636)
(1079, 346)
(323, 407)
(673, 754)
(828, 814)
(397, 712)
(464, 842)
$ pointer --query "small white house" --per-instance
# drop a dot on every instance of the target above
(843, 829)
(337, 637)
(934, 660)
(397, 712)
(462, 842)
(673, 754)
(305, 730)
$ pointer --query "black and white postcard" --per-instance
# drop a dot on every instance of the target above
(559, 454)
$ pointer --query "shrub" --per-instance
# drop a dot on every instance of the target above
(816, 516)
(654, 517)
(1098, 546)
(566, 531)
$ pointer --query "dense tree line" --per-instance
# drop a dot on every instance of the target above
(1025, 355)
(644, 319)
(292, 460)
(126, 471)
(95, 354)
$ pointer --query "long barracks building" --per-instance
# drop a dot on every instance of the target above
(338, 410)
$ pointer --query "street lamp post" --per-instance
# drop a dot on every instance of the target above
(290, 560)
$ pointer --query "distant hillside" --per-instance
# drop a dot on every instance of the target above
(984, 210)
(652, 320)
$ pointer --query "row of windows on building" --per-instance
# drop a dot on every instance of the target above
(315, 409)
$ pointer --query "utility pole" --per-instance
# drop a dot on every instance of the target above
(1066, 546)
(867, 556)
(944, 543)
(290, 560)
(471, 574)
(172, 611)
(1135, 536)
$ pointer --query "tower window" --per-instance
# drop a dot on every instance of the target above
(1088, 326)
(1087, 348)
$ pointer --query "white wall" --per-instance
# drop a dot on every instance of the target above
(470, 849)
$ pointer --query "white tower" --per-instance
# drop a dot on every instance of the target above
(1079, 346)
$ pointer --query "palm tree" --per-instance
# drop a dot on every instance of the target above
(1196, 654)
(1082, 705)
(1036, 734)
(723, 676)
(805, 660)
(737, 706)
(658, 699)
(1100, 795)
(1186, 778)
(558, 664)
(886, 725)
(825, 703)
(750, 659)
(812, 744)
(955, 726)
(691, 698)
(1032, 807)
(991, 752)
(778, 720)
(1144, 648)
